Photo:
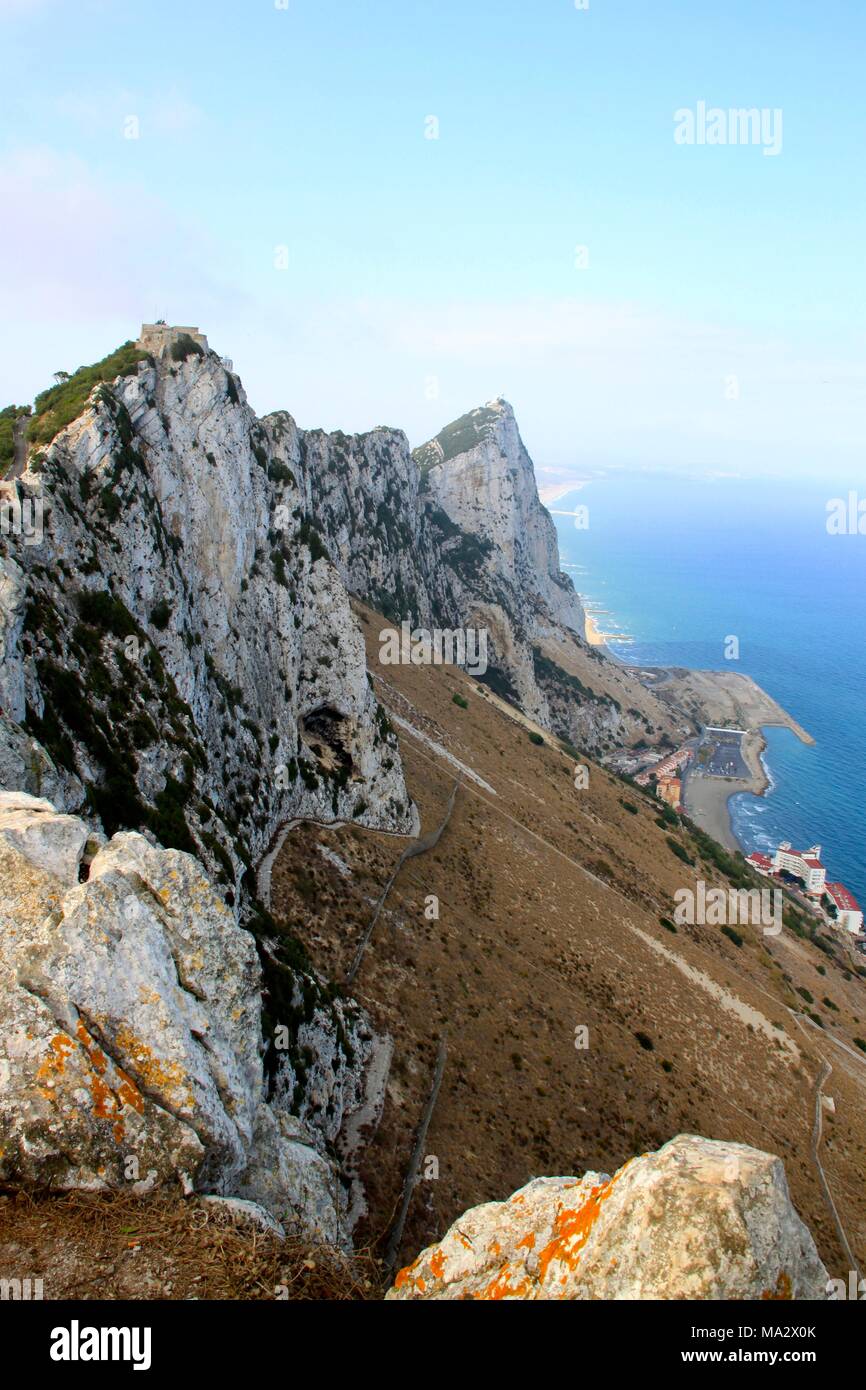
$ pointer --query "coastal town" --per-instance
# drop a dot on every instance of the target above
(721, 753)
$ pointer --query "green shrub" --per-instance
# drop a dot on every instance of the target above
(184, 346)
(60, 405)
(459, 700)
(535, 738)
(310, 537)
(7, 438)
(646, 1042)
(732, 935)
(160, 614)
(677, 849)
(279, 473)
(107, 613)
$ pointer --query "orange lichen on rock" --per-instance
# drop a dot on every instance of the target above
(95, 1055)
(128, 1093)
(169, 1078)
(55, 1063)
(437, 1264)
(105, 1105)
(783, 1291)
(404, 1275)
(571, 1231)
(501, 1286)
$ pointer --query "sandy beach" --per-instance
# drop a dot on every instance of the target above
(594, 635)
(552, 492)
(725, 699)
(706, 798)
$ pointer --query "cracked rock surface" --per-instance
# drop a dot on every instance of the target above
(698, 1219)
(131, 1051)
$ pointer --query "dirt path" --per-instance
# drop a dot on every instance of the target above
(422, 846)
(19, 444)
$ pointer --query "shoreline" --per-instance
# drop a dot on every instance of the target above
(706, 800)
(554, 492)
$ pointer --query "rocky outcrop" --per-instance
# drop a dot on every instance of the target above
(699, 1219)
(478, 471)
(131, 1052)
(178, 657)
(179, 642)
(453, 535)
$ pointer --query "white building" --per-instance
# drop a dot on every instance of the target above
(761, 863)
(805, 864)
(848, 911)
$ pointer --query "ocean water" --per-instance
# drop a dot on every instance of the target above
(680, 565)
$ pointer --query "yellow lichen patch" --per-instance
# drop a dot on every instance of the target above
(571, 1231)
(155, 1075)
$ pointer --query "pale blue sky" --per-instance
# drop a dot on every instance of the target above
(425, 276)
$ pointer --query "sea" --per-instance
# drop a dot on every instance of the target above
(676, 567)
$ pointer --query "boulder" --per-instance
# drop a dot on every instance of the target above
(699, 1219)
(131, 1053)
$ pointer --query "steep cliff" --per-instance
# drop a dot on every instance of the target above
(178, 657)
(453, 535)
(179, 641)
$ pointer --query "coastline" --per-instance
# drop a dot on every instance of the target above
(707, 800)
(549, 493)
(718, 698)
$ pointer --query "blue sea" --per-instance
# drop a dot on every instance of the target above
(679, 565)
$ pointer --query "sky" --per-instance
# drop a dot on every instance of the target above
(389, 212)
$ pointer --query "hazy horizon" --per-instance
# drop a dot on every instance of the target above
(394, 217)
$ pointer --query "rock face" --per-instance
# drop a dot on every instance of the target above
(699, 1219)
(131, 1052)
(181, 677)
(178, 642)
(453, 535)
(179, 657)
(479, 473)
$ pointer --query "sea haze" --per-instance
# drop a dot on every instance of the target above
(681, 564)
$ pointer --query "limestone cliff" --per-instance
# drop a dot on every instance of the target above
(178, 657)
(454, 535)
(179, 640)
